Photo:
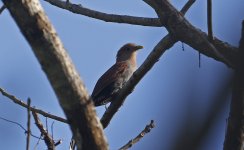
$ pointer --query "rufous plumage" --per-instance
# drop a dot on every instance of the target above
(116, 76)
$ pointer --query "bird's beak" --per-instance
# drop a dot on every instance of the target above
(138, 47)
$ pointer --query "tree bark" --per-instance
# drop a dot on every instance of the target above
(234, 138)
(60, 71)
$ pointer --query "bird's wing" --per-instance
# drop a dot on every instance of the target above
(109, 77)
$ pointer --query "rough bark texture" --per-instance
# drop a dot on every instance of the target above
(60, 72)
(234, 138)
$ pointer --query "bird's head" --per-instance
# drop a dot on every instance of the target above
(127, 52)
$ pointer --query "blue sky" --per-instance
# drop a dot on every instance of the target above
(92, 45)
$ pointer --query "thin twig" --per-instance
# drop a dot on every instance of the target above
(187, 6)
(72, 144)
(79, 9)
(210, 26)
(46, 124)
(58, 142)
(2, 9)
(182, 46)
(139, 136)
(39, 111)
(47, 138)
(183, 11)
(199, 59)
(52, 129)
(28, 124)
(18, 124)
(37, 143)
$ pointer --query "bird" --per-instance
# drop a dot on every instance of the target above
(116, 76)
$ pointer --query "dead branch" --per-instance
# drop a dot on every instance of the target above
(47, 138)
(37, 143)
(23, 104)
(139, 136)
(60, 71)
(79, 9)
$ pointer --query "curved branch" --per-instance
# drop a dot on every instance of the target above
(79, 9)
(187, 6)
(19, 125)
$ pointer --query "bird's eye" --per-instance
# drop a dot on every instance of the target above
(127, 48)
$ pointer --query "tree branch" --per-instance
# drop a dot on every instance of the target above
(39, 111)
(28, 125)
(139, 136)
(223, 48)
(79, 9)
(47, 138)
(60, 71)
(2, 8)
(234, 138)
(167, 42)
(182, 30)
(187, 6)
(209, 14)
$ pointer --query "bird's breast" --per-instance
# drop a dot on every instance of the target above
(125, 76)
